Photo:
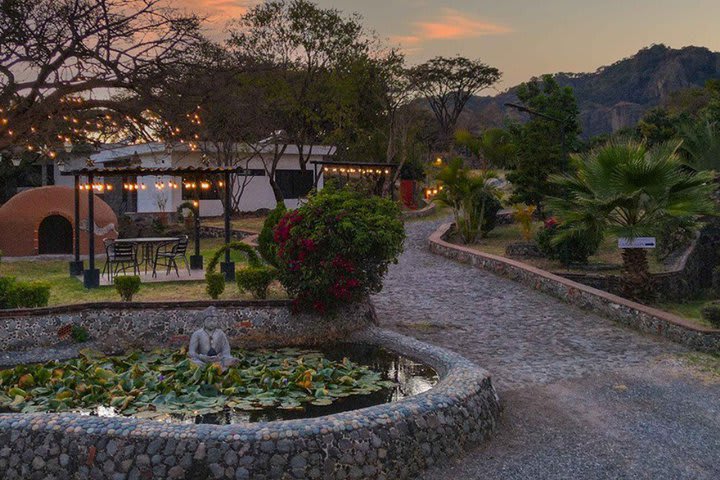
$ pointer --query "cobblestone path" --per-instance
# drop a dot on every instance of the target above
(584, 397)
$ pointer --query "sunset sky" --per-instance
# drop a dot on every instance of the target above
(521, 37)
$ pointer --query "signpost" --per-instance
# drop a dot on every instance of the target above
(639, 242)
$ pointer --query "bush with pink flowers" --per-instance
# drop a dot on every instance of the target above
(336, 248)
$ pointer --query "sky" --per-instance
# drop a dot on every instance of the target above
(523, 38)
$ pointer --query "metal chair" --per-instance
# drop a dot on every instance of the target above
(167, 258)
(120, 254)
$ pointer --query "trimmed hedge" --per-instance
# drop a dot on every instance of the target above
(215, 284)
(255, 280)
(127, 286)
(15, 294)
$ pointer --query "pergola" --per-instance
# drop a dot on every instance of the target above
(349, 169)
(91, 275)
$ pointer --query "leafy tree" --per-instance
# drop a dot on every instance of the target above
(474, 199)
(629, 191)
(492, 147)
(658, 126)
(541, 142)
(318, 62)
(56, 55)
(448, 83)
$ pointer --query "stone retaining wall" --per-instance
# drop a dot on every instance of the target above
(207, 231)
(635, 315)
(116, 326)
(420, 213)
(390, 441)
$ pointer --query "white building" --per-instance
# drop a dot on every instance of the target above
(153, 194)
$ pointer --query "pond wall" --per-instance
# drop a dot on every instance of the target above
(390, 441)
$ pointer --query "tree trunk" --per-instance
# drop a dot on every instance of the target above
(637, 281)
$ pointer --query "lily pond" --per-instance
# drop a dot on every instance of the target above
(264, 385)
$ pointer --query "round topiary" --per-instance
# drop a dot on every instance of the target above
(336, 248)
(127, 286)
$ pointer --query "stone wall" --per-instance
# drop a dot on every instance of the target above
(632, 314)
(390, 441)
(115, 326)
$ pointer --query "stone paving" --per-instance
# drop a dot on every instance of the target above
(583, 396)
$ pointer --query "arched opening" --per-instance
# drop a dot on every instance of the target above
(55, 236)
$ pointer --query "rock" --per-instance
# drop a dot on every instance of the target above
(176, 472)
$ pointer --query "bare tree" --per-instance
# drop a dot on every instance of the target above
(67, 66)
(448, 83)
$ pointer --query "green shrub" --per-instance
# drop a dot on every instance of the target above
(557, 242)
(127, 286)
(266, 244)
(27, 294)
(255, 280)
(336, 248)
(215, 284)
(715, 280)
(79, 333)
(711, 313)
(249, 251)
(5, 284)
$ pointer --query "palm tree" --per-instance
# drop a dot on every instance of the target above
(701, 145)
(468, 194)
(629, 190)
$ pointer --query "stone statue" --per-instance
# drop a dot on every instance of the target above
(209, 344)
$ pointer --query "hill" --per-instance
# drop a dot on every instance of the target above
(616, 96)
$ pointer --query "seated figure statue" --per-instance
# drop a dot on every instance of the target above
(209, 344)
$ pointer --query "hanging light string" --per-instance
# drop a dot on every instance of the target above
(75, 119)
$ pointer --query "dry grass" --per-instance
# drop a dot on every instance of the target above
(608, 253)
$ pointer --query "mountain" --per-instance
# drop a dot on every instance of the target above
(616, 96)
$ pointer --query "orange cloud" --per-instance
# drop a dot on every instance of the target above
(453, 25)
(217, 10)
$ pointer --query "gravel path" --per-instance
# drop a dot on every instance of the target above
(583, 396)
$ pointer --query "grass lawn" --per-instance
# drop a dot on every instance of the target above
(249, 224)
(608, 253)
(66, 290)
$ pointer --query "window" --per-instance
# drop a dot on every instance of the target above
(294, 183)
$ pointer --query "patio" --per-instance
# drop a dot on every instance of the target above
(91, 276)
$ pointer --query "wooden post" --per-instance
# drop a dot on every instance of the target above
(227, 267)
(91, 276)
(196, 261)
(76, 266)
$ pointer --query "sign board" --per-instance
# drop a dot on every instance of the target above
(639, 242)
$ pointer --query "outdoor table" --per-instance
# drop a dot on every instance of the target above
(148, 245)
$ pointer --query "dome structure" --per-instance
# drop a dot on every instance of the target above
(42, 221)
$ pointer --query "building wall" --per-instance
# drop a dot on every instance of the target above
(257, 194)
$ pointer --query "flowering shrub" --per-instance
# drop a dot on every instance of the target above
(336, 248)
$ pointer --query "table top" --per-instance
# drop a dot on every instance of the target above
(147, 239)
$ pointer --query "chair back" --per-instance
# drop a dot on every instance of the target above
(109, 246)
(181, 246)
(124, 250)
